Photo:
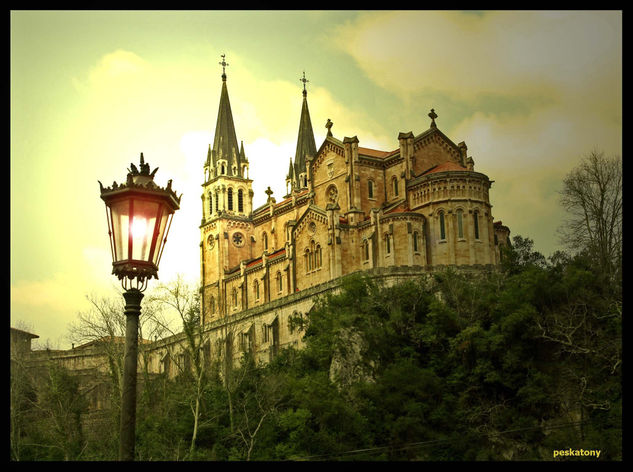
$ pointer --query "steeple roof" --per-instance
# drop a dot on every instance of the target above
(305, 140)
(225, 145)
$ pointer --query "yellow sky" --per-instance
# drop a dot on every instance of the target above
(529, 92)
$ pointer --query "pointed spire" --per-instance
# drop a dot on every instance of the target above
(225, 141)
(306, 145)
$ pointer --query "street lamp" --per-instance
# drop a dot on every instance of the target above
(139, 215)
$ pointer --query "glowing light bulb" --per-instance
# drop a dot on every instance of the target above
(139, 227)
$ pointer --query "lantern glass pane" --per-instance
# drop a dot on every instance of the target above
(120, 226)
(160, 236)
(142, 229)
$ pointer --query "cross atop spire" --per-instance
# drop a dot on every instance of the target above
(304, 80)
(223, 64)
(433, 115)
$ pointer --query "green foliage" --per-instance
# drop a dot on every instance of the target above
(498, 365)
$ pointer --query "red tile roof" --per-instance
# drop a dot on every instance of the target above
(446, 166)
(375, 153)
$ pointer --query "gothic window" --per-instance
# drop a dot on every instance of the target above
(230, 198)
(415, 241)
(216, 202)
(210, 204)
(318, 256)
(240, 200)
(257, 290)
(460, 224)
(365, 250)
(476, 224)
(388, 244)
(312, 256)
(306, 259)
(265, 241)
(279, 282)
(234, 296)
(223, 171)
(442, 226)
(370, 188)
(394, 182)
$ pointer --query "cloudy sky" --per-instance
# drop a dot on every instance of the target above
(530, 93)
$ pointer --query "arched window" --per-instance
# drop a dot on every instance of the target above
(318, 256)
(365, 250)
(442, 226)
(216, 202)
(257, 290)
(240, 200)
(223, 170)
(388, 243)
(370, 188)
(230, 198)
(460, 224)
(476, 223)
(265, 241)
(312, 256)
(279, 282)
(234, 293)
(210, 203)
(415, 241)
(306, 259)
(394, 182)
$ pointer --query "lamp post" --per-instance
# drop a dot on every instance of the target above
(139, 215)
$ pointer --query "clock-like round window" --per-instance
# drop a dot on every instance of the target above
(312, 227)
(238, 239)
(210, 242)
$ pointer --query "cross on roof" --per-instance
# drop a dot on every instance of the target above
(223, 64)
(433, 115)
(304, 80)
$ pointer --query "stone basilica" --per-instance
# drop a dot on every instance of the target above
(348, 208)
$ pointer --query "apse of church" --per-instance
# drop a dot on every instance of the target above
(348, 208)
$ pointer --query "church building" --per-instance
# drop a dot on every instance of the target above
(348, 208)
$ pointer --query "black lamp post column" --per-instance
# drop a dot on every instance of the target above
(133, 299)
(139, 215)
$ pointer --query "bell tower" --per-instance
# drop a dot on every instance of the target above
(227, 205)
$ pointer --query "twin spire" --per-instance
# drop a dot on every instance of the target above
(231, 160)
(225, 153)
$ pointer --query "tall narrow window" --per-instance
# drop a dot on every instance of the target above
(388, 243)
(240, 200)
(265, 241)
(365, 250)
(256, 290)
(460, 224)
(210, 204)
(312, 256)
(279, 282)
(212, 305)
(317, 255)
(370, 188)
(230, 198)
(306, 259)
(234, 298)
(442, 227)
(216, 202)
(476, 223)
(394, 181)
(415, 241)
